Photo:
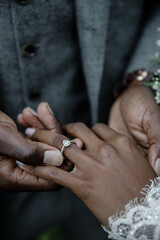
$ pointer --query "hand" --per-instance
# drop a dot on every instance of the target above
(14, 146)
(107, 174)
(44, 118)
(136, 115)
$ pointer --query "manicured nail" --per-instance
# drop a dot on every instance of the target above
(30, 131)
(33, 111)
(49, 109)
(54, 158)
(20, 164)
(157, 166)
(19, 115)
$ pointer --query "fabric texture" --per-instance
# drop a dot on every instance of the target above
(139, 221)
(83, 49)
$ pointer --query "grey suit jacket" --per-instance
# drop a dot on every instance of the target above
(108, 32)
(114, 36)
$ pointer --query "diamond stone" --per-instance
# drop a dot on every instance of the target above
(66, 143)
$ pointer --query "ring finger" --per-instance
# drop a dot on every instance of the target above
(81, 131)
(72, 152)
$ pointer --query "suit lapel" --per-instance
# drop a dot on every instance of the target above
(92, 20)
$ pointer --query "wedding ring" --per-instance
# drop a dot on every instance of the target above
(66, 143)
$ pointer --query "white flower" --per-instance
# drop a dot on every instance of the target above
(156, 85)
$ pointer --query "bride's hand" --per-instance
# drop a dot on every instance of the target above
(136, 115)
(107, 174)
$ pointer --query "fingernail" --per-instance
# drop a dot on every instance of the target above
(20, 165)
(49, 109)
(33, 111)
(30, 131)
(20, 115)
(54, 158)
(157, 166)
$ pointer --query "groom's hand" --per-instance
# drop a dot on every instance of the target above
(136, 114)
(14, 146)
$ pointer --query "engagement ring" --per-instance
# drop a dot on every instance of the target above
(66, 143)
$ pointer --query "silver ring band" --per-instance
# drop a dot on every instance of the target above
(66, 143)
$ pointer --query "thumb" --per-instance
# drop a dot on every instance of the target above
(13, 144)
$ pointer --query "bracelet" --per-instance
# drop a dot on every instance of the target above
(149, 79)
(132, 78)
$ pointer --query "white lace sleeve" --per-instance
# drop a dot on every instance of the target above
(139, 221)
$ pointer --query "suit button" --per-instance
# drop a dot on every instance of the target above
(34, 96)
(22, 2)
(29, 50)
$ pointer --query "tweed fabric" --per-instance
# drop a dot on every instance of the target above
(83, 48)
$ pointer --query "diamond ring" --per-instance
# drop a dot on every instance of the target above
(66, 143)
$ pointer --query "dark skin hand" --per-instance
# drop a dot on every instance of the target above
(106, 175)
(136, 115)
(15, 147)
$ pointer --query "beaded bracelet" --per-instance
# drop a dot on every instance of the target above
(149, 79)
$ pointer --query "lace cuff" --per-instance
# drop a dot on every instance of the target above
(139, 220)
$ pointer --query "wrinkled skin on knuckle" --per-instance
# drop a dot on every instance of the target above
(121, 141)
(6, 121)
(105, 151)
(147, 118)
(7, 134)
(52, 174)
(57, 141)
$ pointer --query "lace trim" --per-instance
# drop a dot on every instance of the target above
(139, 220)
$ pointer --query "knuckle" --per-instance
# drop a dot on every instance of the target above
(78, 125)
(53, 174)
(122, 140)
(106, 150)
(98, 126)
(57, 141)
(104, 147)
